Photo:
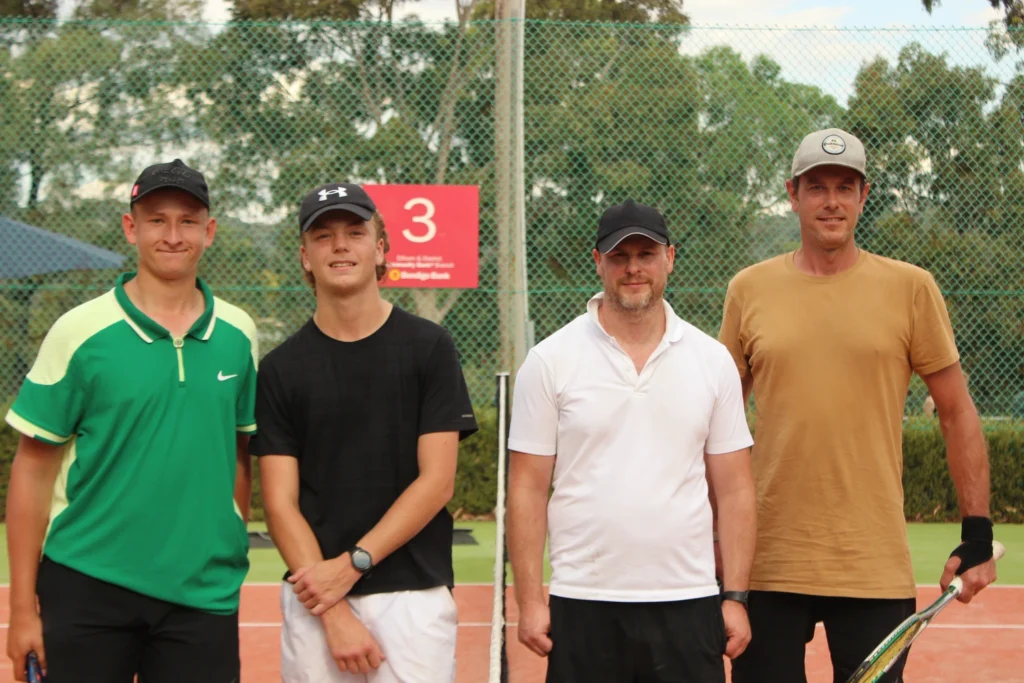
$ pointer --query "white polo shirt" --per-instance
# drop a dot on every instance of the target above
(629, 519)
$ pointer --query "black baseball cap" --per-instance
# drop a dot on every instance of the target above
(627, 219)
(174, 174)
(335, 197)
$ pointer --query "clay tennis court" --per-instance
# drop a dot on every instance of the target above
(982, 642)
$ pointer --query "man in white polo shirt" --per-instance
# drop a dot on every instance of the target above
(624, 410)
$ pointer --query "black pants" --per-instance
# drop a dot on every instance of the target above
(781, 625)
(95, 632)
(626, 642)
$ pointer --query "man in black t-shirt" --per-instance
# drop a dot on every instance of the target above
(360, 413)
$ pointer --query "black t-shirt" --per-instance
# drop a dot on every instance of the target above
(352, 413)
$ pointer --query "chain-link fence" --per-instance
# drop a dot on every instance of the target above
(701, 122)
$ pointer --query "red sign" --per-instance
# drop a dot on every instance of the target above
(434, 234)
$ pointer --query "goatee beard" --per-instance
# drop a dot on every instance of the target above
(634, 305)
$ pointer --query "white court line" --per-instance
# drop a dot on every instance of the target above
(995, 627)
(487, 624)
(473, 585)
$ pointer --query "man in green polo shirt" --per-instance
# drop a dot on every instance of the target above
(130, 487)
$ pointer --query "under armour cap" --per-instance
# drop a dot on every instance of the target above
(174, 174)
(830, 147)
(335, 197)
(626, 219)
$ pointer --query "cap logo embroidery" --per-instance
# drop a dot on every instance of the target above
(340, 191)
(833, 144)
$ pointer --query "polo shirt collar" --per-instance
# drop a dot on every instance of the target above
(149, 329)
(673, 325)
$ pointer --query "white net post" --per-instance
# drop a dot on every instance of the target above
(498, 672)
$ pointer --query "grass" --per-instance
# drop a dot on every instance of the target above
(930, 545)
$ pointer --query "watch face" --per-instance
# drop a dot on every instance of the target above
(361, 560)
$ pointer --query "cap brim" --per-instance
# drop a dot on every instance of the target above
(169, 186)
(611, 241)
(360, 211)
(830, 162)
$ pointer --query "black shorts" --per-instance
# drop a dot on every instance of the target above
(96, 632)
(781, 625)
(629, 642)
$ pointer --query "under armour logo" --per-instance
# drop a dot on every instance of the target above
(340, 191)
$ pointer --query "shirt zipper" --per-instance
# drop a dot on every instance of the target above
(178, 343)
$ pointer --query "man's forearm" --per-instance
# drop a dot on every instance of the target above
(30, 492)
(737, 533)
(527, 530)
(407, 516)
(297, 543)
(968, 461)
(292, 536)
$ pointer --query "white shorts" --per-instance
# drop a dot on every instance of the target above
(416, 631)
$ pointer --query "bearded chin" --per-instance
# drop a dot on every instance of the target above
(633, 304)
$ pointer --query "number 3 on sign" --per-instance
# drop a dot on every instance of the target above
(428, 207)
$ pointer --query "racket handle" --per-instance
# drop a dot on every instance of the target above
(33, 672)
(998, 550)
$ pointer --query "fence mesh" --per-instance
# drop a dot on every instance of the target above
(700, 121)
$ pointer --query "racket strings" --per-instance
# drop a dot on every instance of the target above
(873, 669)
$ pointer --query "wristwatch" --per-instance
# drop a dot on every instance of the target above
(736, 596)
(361, 559)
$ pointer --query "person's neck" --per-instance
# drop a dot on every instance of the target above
(823, 262)
(633, 327)
(175, 304)
(351, 318)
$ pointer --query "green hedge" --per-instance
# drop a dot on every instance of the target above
(929, 492)
(929, 495)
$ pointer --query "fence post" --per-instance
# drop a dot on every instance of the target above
(510, 188)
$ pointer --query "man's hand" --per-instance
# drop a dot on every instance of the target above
(25, 635)
(350, 643)
(535, 627)
(737, 628)
(974, 578)
(977, 554)
(323, 585)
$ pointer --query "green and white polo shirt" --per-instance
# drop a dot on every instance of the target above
(145, 499)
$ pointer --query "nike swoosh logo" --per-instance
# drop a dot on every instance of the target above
(221, 376)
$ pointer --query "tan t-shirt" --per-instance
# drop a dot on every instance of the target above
(831, 359)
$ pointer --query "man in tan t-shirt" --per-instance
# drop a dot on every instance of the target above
(827, 338)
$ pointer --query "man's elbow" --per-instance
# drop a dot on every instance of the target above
(279, 507)
(959, 416)
(445, 488)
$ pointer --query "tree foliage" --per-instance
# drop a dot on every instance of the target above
(273, 108)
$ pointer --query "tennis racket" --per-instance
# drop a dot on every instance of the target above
(33, 672)
(897, 642)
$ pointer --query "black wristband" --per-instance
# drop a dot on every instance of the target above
(976, 529)
(736, 596)
(976, 533)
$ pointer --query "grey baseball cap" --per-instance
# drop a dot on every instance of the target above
(830, 147)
